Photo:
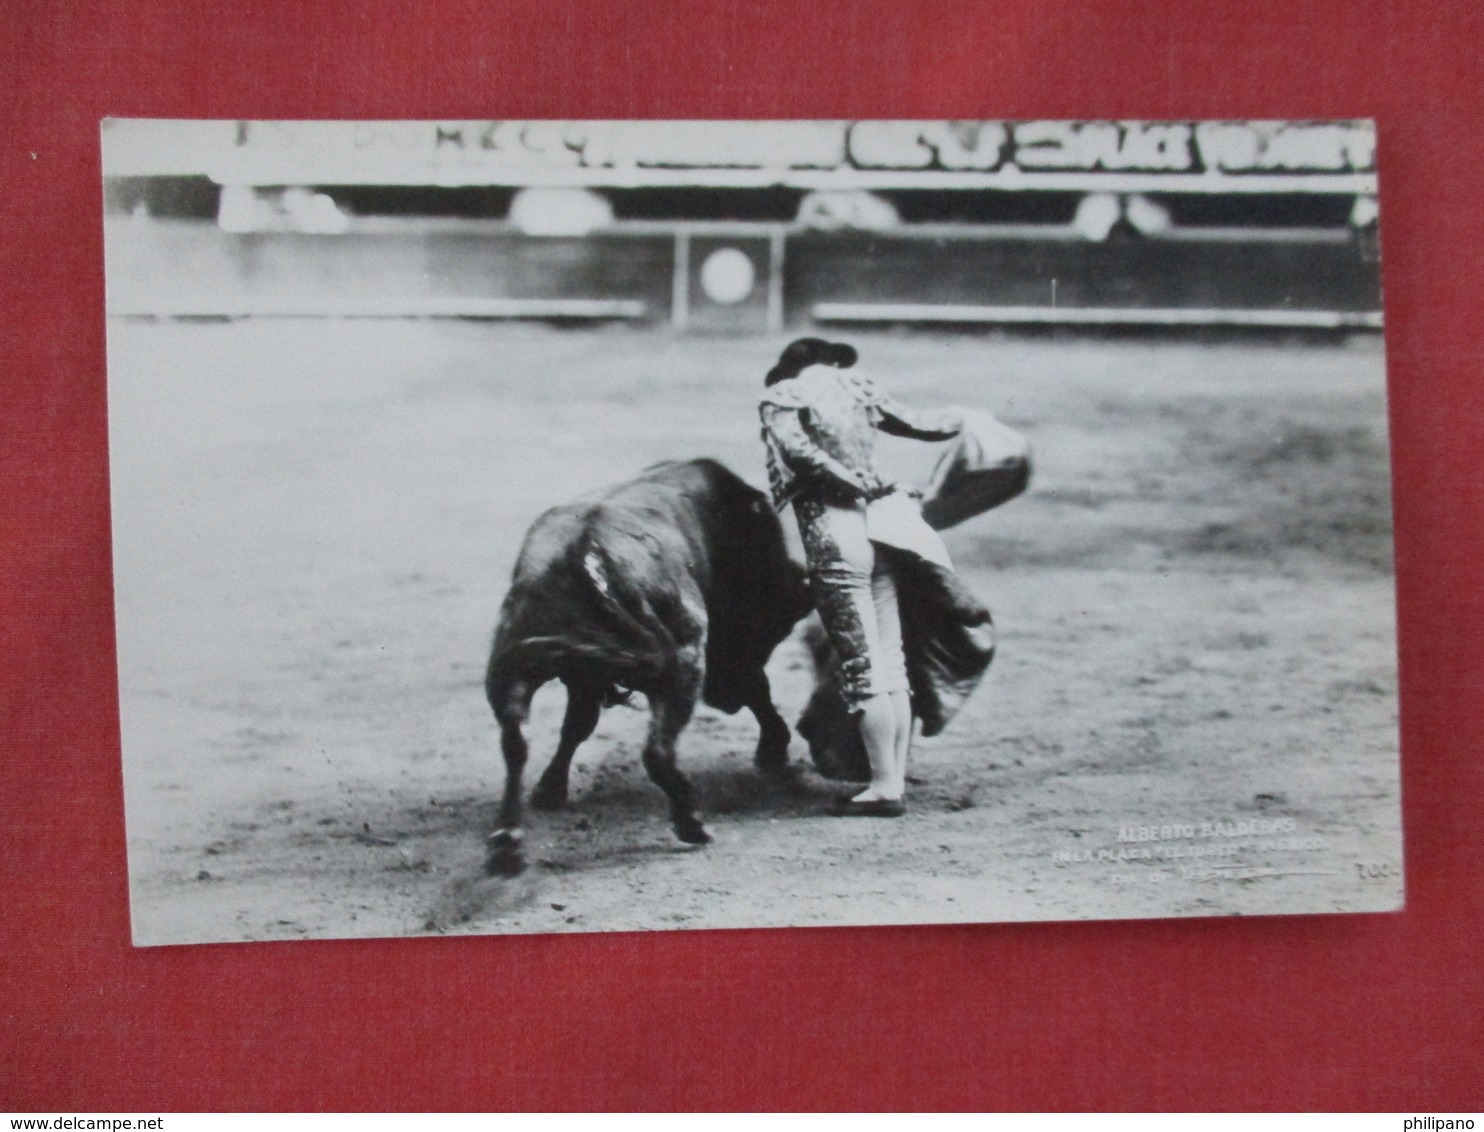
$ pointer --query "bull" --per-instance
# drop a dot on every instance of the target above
(676, 585)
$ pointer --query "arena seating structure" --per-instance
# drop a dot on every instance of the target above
(748, 227)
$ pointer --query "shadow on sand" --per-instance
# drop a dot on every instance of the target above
(616, 820)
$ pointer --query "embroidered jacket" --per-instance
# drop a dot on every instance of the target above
(819, 432)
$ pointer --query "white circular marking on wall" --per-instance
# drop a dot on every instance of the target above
(727, 276)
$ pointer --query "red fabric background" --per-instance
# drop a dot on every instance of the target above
(1374, 1012)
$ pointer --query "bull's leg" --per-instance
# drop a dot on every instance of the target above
(512, 704)
(583, 707)
(773, 734)
(670, 711)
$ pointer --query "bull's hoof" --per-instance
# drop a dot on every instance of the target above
(549, 796)
(691, 831)
(503, 856)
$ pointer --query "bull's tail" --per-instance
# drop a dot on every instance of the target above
(558, 656)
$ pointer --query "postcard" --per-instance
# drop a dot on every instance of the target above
(609, 526)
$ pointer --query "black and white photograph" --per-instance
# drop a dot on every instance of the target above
(577, 526)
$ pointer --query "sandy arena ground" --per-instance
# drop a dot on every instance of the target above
(316, 520)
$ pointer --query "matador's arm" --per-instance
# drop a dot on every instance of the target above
(918, 424)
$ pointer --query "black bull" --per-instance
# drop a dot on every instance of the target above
(676, 585)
